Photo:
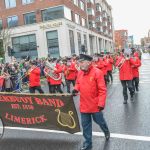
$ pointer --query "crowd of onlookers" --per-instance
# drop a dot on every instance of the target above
(13, 75)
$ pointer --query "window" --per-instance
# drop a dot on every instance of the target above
(10, 3)
(101, 20)
(97, 19)
(56, 13)
(99, 29)
(91, 41)
(104, 14)
(90, 11)
(79, 42)
(53, 44)
(76, 2)
(72, 45)
(77, 19)
(85, 41)
(53, 13)
(12, 21)
(67, 13)
(83, 22)
(25, 46)
(1, 24)
(29, 18)
(27, 1)
(92, 24)
(100, 44)
(90, 1)
(72, 16)
(98, 7)
(82, 6)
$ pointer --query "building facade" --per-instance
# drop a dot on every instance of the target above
(145, 42)
(130, 41)
(121, 39)
(41, 28)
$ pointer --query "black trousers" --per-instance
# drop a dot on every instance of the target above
(68, 83)
(135, 83)
(8, 90)
(38, 88)
(56, 88)
(127, 84)
(109, 74)
(50, 86)
(106, 79)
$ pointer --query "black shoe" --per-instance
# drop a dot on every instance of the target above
(125, 102)
(107, 136)
(86, 147)
(137, 89)
(131, 98)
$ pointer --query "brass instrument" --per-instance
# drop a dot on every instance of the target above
(25, 75)
(48, 70)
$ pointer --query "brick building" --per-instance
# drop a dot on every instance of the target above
(121, 39)
(39, 28)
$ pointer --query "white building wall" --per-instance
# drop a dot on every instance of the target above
(64, 42)
(62, 26)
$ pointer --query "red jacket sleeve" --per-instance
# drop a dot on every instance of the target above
(102, 90)
(138, 63)
(77, 85)
(132, 61)
(59, 70)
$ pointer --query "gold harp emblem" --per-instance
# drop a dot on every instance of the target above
(66, 120)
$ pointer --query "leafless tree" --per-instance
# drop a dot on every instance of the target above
(5, 39)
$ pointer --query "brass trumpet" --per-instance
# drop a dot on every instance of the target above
(25, 75)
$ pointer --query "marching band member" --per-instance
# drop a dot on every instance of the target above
(2, 79)
(70, 73)
(124, 65)
(74, 61)
(110, 67)
(105, 64)
(100, 63)
(91, 85)
(135, 70)
(56, 70)
(34, 78)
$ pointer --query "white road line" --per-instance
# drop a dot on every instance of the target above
(99, 134)
(144, 73)
(116, 83)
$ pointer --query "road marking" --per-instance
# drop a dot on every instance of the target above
(99, 134)
(116, 83)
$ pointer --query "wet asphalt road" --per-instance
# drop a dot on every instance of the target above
(132, 119)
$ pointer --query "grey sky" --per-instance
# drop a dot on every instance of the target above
(133, 15)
